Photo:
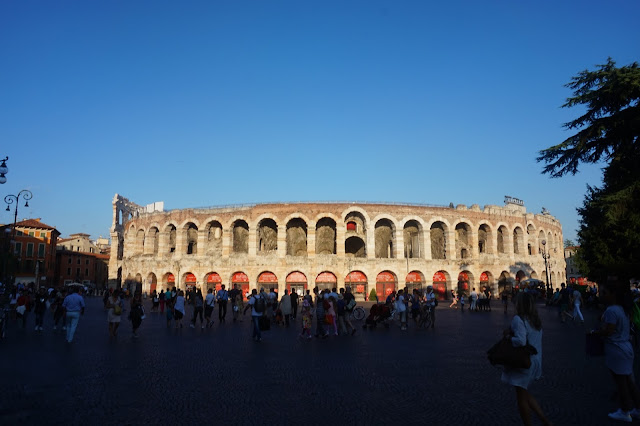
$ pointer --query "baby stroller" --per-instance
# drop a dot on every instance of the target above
(378, 314)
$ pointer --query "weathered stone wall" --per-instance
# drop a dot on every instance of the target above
(312, 238)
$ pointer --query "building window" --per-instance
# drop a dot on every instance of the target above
(86, 262)
(68, 271)
(43, 235)
(68, 281)
(78, 272)
(29, 249)
(78, 248)
(18, 251)
(19, 233)
(78, 261)
(32, 234)
(40, 250)
(351, 226)
(86, 272)
(69, 262)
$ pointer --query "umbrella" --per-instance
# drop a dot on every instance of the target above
(74, 285)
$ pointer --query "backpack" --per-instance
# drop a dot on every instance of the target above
(117, 309)
(259, 305)
(351, 304)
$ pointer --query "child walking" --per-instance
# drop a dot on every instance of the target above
(306, 320)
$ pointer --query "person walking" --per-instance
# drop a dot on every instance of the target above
(178, 309)
(285, 307)
(222, 298)
(526, 328)
(618, 350)
(161, 299)
(577, 301)
(73, 305)
(454, 300)
(136, 313)
(40, 307)
(430, 302)
(239, 306)
(209, 303)
(320, 314)
(401, 308)
(505, 299)
(307, 317)
(58, 310)
(294, 303)
(114, 314)
(257, 305)
(349, 305)
(198, 305)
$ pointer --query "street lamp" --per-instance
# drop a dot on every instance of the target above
(546, 257)
(3, 170)
(10, 199)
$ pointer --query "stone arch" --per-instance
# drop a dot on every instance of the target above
(463, 239)
(466, 282)
(384, 233)
(520, 276)
(355, 247)
(213, 236)
(191, 230)
(501, 236)
(441, 282)
(541, 238)
(213, 281)
(413, 233)
(485, 239)
(189, 279)
(139, 241)
(438, 232)
(297, 281)
(267, 280)
(533, 275)
(355, 223)
(358, 282)
(296, 237)
(151, 283)
(518, 240)
(550, 242)
(240, 235)
(168, 280)
(531, 239)
(486, 281)
(386, 283)
(504, 282)
(356, 211)
(267, 238)
(415, 281)
(241, 280)
(172, 235)
(152, 241)
(326, 280)
(326, 236)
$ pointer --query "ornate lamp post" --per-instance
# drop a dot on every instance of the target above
(546, 257)
(10, 199)
(3, 170)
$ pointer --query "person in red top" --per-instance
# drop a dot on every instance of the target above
(23, 307)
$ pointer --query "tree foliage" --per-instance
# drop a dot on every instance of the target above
(608, 128)
(609, 131)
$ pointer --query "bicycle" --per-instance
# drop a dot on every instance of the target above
(357, 313)
(426, 317)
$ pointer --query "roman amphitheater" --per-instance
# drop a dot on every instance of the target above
(363, 245)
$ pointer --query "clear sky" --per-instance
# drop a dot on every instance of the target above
(203, 103)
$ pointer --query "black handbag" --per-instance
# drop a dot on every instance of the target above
(264, 323)
(504, 353)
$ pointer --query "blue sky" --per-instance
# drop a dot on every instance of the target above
(223, 102)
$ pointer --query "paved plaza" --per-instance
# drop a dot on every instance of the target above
(220, 376)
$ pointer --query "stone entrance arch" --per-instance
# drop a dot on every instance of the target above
(386, 283)
(169, 280)
(267, 236)
(298, 281)
(355, 247)
(414, 281)
(326, 280)
(214, 281)
(465, 282)
(384, 235)
(268, 280)
(241, 280)
(189, 280)
(326, 236)
(486, 281)
(151, 284)
(441, 283)
(504, 282)
(358, 283)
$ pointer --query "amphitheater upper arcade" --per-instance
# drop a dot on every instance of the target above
(339, 238)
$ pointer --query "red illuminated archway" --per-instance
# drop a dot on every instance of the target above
(386, 283)
(358, 283)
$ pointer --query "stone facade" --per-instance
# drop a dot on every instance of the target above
(382, 246)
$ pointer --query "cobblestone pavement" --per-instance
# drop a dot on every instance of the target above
(220, 375)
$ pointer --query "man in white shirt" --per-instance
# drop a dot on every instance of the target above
(474, 299)
(255, 315)
(402, 310)
(430, 301)
(223, 297)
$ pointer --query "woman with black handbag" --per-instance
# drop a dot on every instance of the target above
(526, 328)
